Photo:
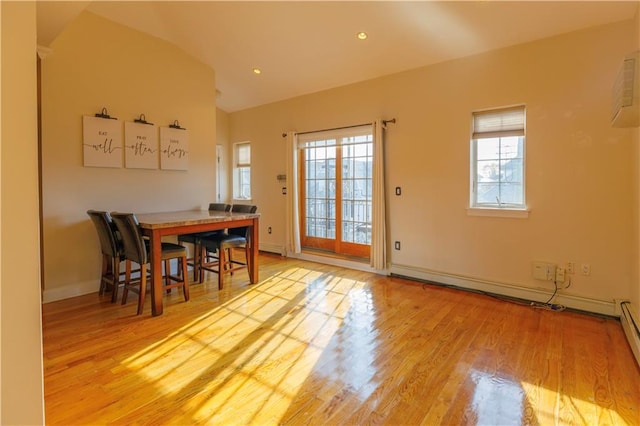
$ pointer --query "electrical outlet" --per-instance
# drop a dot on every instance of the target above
(571, 267)
(269, 230)
(586, 269)
(560, 275)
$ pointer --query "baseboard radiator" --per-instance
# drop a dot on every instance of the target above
(631, 326)
(603, 307)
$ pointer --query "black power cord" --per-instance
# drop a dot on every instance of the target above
(548, 305)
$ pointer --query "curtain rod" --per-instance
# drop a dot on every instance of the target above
(393, 120)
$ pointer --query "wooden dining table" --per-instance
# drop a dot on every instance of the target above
(159, 225)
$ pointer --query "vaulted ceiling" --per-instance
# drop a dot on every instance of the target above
(303, 47)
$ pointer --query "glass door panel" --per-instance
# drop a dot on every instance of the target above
(336, 196)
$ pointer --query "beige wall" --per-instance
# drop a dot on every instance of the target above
(579, 169)
(97, 63)
(222, 139)
(21, 336)
(635, 288)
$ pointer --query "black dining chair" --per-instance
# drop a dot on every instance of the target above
(194, 239)
(221, 246)
(136, 249)
(112, 253)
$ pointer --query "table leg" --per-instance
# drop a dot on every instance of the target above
(156, 273)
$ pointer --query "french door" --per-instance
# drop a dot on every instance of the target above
(336, 176)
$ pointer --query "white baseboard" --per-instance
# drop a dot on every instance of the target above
(505, 289)
(69, 291)
(272, 248)
(630, 323)
(333, 261)
(510, 290)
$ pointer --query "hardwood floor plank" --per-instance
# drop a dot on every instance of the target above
(316, 344)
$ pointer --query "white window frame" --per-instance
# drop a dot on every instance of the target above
(241, 164)
(497, 123)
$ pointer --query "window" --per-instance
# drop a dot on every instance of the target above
(497, 159)
(336, 183)
(242, 171)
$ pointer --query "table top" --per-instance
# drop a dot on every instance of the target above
(189, 217)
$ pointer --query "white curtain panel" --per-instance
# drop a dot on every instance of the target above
(378, 216)
(292, 244)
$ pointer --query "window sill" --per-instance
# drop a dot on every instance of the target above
(511, 213)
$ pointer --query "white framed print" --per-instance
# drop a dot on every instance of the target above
(140, 146)
(101, 142)
(174, 148)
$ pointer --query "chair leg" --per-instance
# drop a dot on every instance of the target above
(127, 270)
(230, 261)
(201, 259)
(196, 262)
(185, 279)
(205, 257)
(221, 267)
(143, 288)
(116, 279)
(167, 273)
(127, 282)
(103, 273)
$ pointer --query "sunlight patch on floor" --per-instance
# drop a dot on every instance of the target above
(499, 400)
(569, 409)
(251, 347)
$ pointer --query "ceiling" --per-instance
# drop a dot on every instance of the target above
(308, 46)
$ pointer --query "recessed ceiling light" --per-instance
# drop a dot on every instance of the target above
(362, 35)
(257, 71)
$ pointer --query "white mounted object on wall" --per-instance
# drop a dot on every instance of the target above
(543, 271)
(626, 93)
(101, 142)
(174, 148)
(140, 146)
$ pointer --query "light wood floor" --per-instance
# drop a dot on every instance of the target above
(313, 344)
